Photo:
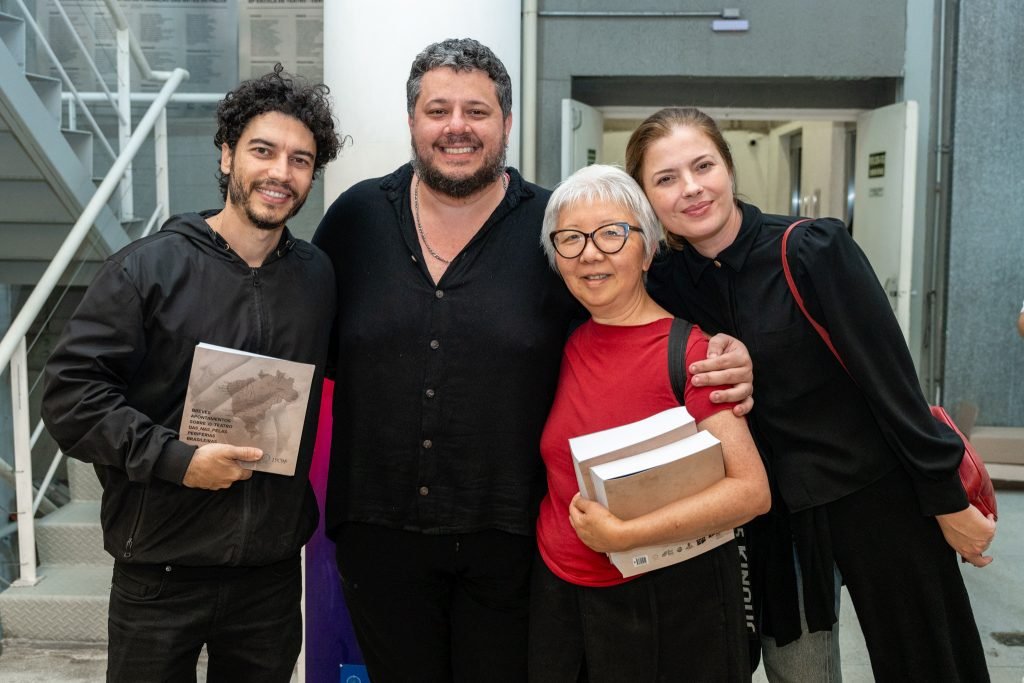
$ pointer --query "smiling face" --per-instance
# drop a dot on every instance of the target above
(270, 170)
(691, 189)
(458, 133)
(610, 286)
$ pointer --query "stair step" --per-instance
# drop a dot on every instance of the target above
(49, 90)
(12, 34)
(82, 480)
(72, 535)
(68, 604)
(81, 143)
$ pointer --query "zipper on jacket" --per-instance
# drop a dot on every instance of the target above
(135, 528)
(258, 300)
(246, 517)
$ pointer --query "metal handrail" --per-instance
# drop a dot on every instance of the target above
(65, 79)
(88, 58)
(12, 346)
(66, 252)
(121, 21)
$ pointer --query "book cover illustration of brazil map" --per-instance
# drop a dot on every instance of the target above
(245, 399)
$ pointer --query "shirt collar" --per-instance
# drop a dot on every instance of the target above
(735, 255)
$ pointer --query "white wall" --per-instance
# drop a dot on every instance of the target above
(368, 49)
(751, 162)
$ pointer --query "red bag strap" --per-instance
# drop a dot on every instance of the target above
(818, 327)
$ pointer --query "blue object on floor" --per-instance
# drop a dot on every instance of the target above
(354, 673)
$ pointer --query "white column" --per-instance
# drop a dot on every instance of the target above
(368, 49)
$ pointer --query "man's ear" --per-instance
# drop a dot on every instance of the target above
(226, 155)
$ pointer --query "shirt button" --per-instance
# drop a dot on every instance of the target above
(434, 344)
(718, 264)
(439, 294)
(424, 490)
(427, 443)
(430, 393)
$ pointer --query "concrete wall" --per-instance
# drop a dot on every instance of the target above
(984, 355)
(805, 39)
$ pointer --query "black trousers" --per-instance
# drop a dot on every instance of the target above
(684, 622)
(905, 584)
(248, 619)
(438, 608)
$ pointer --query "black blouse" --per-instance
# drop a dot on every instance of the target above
(822, 435)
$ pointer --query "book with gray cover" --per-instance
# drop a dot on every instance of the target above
(245, 399)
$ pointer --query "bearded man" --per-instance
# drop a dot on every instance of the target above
(205, 551)
(447, 347)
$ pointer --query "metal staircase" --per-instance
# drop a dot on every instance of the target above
(56, 225)
(70, 601)
(46, 172)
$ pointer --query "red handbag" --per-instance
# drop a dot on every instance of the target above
(973, 475)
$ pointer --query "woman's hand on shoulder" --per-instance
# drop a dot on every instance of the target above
(969, 533)
(598, 528)
(728, 365)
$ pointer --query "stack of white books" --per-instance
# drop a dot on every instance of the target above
(640, 467)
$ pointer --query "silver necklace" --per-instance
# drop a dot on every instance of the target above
(419, 223)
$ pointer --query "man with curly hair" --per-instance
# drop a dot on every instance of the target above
(206, 552)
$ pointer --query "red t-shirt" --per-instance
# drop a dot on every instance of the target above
(610, 376)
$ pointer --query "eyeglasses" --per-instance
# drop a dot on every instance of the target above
(609, 239)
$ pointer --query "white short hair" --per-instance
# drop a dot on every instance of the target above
(604, 183)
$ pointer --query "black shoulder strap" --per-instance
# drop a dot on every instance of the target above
(678, 335)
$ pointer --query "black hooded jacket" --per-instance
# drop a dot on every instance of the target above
(115, 385)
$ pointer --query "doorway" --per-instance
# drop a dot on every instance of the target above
(808, 162)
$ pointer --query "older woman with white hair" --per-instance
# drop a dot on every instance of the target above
(587, 622)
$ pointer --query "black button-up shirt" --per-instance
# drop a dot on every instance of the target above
(442, 389)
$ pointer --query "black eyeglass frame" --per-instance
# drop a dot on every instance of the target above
(590, 235)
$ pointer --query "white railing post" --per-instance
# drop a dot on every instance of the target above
(163, 187)
(124, 126)
(23, 467)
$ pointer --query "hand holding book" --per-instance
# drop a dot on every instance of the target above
(216, 466)
(244, 399)
(597, 527)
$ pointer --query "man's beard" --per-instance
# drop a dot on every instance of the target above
(459, 188)
(242, 198)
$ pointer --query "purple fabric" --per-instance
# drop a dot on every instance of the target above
(330, 640)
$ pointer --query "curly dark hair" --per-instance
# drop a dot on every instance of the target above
(282, 92)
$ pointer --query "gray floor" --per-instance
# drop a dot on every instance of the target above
(997, 593)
